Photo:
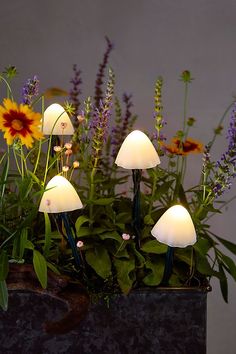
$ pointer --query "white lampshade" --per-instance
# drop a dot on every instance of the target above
(137, 152)
(175, 228)
(59, 196)
(63, 124)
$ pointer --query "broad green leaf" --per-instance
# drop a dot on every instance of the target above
(139, 256)
(40, 267)
(48, 232)
(3, 295)
(203, 266)
(99, 259)
(156, 274)
(202, 246)
(103, 201)
(80, 221)
(148, 220)
(125, 273)
(114, 235)
(154, 246)
(4, 266)
(184, 255)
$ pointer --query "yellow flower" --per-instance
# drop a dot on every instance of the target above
(19, 121)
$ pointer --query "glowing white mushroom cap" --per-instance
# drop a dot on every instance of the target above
(59, 196)
(56, 121)
(137, 152)
(175, 228)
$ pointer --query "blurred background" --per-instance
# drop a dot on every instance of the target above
(151, 38)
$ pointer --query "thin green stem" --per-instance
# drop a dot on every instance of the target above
(153, 193)
(92, 188)
(220, 123)
(185, 108)
(121, 245)
(9, 91)
(16, 161)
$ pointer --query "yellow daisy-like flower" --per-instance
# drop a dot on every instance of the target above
(19, 121)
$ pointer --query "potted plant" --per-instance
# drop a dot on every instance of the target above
(97, 249)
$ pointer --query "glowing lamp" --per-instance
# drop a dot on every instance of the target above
(59, 196)
(175, 228)
(137, 152)
(56, 121)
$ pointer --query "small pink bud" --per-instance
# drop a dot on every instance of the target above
(68, 152)
(68, 146)
(80, 244)
(57, 148)
(125, 237)
(48, 202)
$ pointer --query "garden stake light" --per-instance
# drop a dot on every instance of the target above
(59, 198)
(137, 153)
(175, 229)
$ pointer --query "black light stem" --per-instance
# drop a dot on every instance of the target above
(136, 205)
(71, 239)
(168, 266)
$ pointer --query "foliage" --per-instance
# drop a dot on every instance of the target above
(110, 258)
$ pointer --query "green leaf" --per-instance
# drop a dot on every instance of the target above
(139, 256)
(154, 246)
(99, 259)
(203, 266)
(80, 221)
(103, 201)
(184, 254)
(3, 180)
(23, 240)
(3, 295)
(223, 284)
(230, 265)
(229, 245)
(148, 220)
(4, 266)
(125, 273)
(202, 246)
(114, 235)
(48, 231)
(156, 274)
(29, 245)
(40, 267)
(53, 268)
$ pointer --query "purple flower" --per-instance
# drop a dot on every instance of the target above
(100, 75)
(123, 124)
(226, 165)
(76, 82)
(30, 90)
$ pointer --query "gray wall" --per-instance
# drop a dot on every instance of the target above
(151, 37)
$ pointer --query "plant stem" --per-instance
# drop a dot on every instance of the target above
(185, 108)
(92, 189)
(219, 124)
(153, 194)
